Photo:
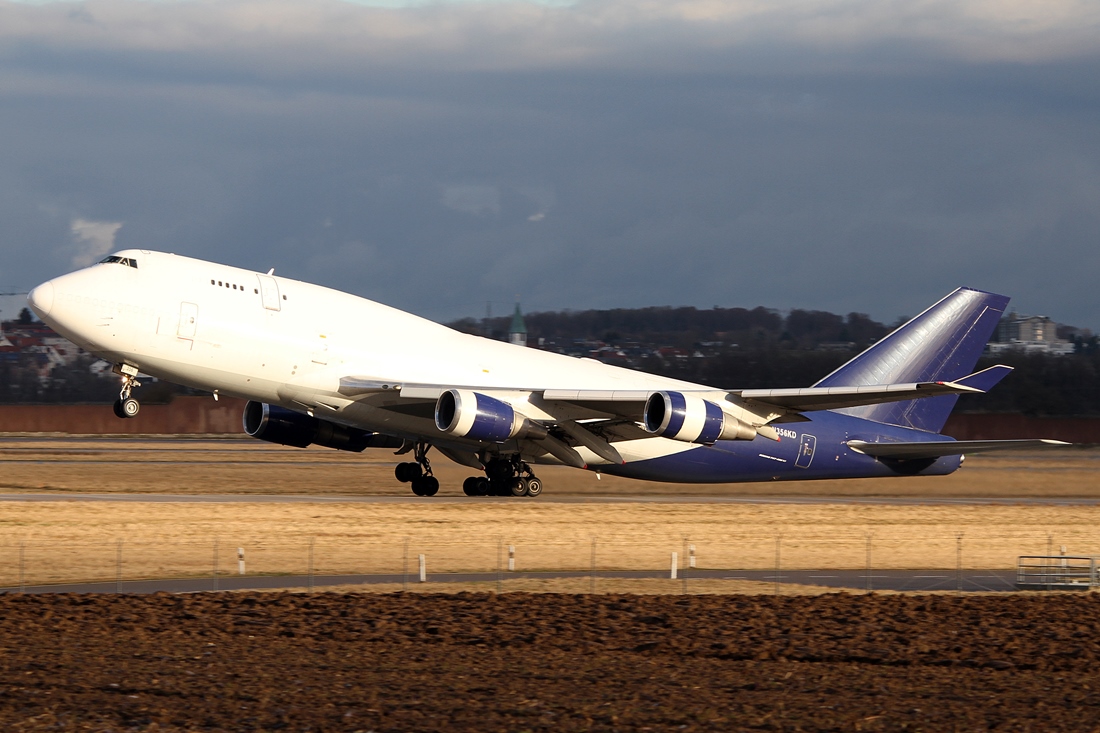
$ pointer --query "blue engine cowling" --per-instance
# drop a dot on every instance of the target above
(468, 414)
(279, 425)
(692, 419)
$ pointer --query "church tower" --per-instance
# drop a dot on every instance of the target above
(517, 334)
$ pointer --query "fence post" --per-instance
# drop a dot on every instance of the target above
(311, 539)
(688, 563)
(22, 566)
(423, 568)
(958, 562)
(870, 583)
(778, 539)
(405, 566)
(118, 567)
(500, 554)
(672, 575)
(592, 572)
(214, 574)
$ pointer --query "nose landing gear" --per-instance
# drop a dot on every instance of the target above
(126, 406)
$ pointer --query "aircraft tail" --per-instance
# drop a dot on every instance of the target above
(941, 344)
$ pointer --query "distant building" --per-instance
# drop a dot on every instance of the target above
(517, 333)
(1029, 333)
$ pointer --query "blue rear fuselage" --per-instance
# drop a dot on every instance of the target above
(814, 449)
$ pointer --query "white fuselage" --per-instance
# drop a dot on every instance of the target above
(286, 342)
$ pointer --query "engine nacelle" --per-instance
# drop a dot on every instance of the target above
(469, 414)
(279, 425)
(692, 419)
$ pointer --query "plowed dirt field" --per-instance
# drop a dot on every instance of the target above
(546, 662)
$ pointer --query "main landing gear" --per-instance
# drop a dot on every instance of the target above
(418, 473)
(126, 406)
(505, 477)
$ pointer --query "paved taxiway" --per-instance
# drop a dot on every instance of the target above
(550, 498)
(967, 581)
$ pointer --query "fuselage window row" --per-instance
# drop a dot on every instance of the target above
(219, 283)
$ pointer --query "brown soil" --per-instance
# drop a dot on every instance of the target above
(548, 662)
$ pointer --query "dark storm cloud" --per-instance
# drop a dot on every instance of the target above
(842, 156)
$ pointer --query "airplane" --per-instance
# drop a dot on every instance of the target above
(319, 366)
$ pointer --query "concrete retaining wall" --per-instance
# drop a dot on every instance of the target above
(182, 416)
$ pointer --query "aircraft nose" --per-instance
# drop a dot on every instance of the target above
(41, 299)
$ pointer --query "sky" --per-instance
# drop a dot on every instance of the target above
(839, 155)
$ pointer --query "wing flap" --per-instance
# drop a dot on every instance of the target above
(936, 449)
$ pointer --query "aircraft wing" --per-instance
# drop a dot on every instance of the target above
(629, 404)
(935, 449)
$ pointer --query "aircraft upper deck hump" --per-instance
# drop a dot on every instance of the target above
(941, 344)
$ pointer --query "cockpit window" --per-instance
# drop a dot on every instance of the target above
(112, 259)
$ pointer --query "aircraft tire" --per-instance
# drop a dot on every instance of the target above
(482, 487)
(429, 486)
(518, 487)
(117, 407)
(406, 472)
(129, 407)
(469, 486)
(534, 486)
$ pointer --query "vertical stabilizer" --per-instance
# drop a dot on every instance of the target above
(941, 344)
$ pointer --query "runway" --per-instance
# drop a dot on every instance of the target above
(549, 499)
(966, 581)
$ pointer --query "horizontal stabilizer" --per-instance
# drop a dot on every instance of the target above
(834, 398)
(935, 449)
(986, 379)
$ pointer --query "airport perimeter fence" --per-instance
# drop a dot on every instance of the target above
(780, 564)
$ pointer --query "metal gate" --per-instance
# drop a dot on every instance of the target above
(1056, 572)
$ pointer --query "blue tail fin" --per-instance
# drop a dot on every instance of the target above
(942, 344)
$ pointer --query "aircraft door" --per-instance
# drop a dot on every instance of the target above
(189, 315)
(806, 451)
(269, 293)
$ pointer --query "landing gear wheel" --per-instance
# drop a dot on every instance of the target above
(518, 486)
(126, 408)
(406, 472)
(482, 487)
(425, 486)
(470, 487)
(534, 486)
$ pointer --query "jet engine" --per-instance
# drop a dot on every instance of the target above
(692, 419)
(469, 414)
(279, 425)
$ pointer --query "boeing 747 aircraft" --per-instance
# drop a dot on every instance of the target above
(324, 367)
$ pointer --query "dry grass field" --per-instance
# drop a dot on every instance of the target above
(80, 539)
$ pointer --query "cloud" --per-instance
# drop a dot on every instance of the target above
(92, 240)
(472, 199)
(290, 38)
(609, 153)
